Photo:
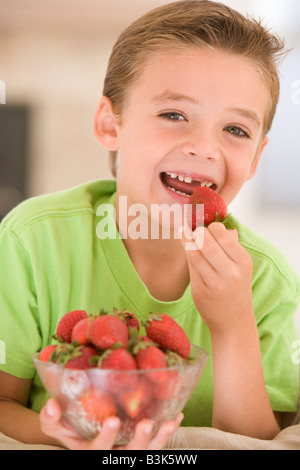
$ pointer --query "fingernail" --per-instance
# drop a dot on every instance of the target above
(171, 429)
(148, 428)
(113, 423)
(49, 409)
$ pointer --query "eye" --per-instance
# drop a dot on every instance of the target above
(172, 116)
(237, 131)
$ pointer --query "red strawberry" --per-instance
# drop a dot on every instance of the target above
(215, 208)
(166, 332)
(107, 330)
(117, 359)
(98, 406)
(67, 323)
(82, 359)
(150, 357)
(80, 332)
(136, 401)
(165, 389)
(46, 353)
(128, 317)
(75, 357)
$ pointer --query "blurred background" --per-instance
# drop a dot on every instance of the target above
(53, 58)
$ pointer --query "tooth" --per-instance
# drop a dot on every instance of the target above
(209, 184)
(181, 193)
(187, 179)
(181, 178)
(173, 175)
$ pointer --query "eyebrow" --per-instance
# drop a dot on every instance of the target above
(169, 95)
(248, 114)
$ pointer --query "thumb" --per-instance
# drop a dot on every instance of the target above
(51, 413)
(234, 233)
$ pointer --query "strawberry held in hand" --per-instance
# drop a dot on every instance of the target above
(215, 209)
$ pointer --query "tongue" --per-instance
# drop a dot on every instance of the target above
(182, 186)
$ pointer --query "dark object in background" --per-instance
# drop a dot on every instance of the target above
(14, 124)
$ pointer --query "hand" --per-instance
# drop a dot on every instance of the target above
(221, 278)
(52, 425)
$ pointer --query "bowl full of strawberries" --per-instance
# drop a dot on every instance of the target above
(100, 365)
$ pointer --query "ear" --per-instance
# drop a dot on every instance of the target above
(105, 125)
(257, 158)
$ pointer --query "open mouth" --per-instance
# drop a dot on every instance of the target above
(183, 185)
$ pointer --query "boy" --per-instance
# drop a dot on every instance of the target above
(189, 96)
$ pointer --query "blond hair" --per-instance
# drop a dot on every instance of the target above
(191, 23)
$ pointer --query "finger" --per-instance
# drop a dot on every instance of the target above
(142, 435)
(221, 248)
(197, 263)
(208, 257)
(50, 414)
(194, 260)
(163, 435)
(104, 440)
(228, 240)
(205, 243)
(52, 425)
(214, 253)
(108, 435)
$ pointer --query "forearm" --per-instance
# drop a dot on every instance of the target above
(22, 424)
(241, 404)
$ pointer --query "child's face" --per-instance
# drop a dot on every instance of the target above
(198, 115)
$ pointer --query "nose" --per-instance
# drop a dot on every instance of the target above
(201, 142)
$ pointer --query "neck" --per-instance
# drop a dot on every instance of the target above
(160, 262)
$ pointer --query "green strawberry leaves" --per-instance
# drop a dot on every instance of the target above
(229, 225)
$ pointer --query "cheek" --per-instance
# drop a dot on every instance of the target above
(240, 159)
(239, 171)
(237, 174)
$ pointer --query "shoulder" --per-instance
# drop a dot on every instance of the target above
(79, 200)
(270, 266)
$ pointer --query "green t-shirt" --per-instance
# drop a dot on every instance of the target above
(52, 261)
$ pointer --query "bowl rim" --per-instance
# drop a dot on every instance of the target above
(97, 370)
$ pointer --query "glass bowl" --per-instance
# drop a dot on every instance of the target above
(88, 396)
